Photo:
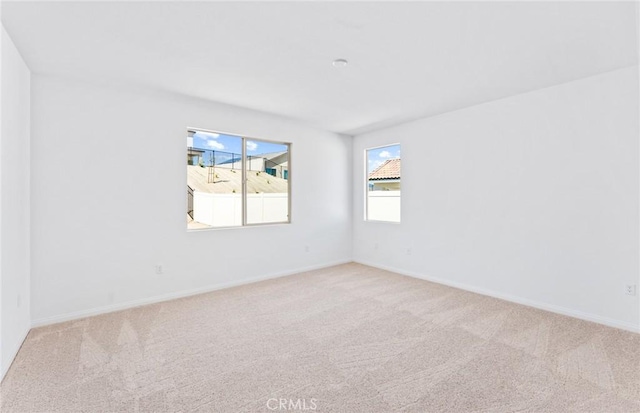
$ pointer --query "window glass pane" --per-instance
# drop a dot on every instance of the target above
(267, 182)
(383, 184)
(214, 180)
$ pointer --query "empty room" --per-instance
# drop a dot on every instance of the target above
(383, 207)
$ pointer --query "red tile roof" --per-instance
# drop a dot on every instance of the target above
(390, 169)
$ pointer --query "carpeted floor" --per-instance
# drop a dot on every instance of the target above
(344, 339)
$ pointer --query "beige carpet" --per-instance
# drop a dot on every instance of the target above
(344, 339)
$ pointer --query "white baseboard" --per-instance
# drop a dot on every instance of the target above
(512, 298)
(185, 293)
(172, 296)
(13, 354)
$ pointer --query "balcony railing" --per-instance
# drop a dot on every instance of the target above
(221, 159)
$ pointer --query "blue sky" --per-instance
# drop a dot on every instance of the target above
(377, 156)
(233, 144)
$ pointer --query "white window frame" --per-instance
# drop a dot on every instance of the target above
(366, 185)
(244, 139)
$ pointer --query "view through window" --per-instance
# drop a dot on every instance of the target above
(383, 183)
(216, 165)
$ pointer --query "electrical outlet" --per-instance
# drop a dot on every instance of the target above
(409, 251)
(306, 248)
(630, 289)
(376, 246)
(159, 269)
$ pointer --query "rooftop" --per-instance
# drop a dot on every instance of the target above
(390, 169)
(227, 181)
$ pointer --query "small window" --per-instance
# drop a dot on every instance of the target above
(236, 181)
(383, 184)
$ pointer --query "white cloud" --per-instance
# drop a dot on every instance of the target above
(209, 139)
(206, 135)
(385, 154)
(215, 144)
(251, 146)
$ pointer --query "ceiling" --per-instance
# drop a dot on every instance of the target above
(406, 60)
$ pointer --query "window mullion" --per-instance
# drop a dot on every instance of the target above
(244, 181)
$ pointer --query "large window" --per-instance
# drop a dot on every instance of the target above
(235, 181)
(383, 184)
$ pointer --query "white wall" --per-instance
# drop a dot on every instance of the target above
(533, 198)
(14, 203)
(118, 155)
(2, 35)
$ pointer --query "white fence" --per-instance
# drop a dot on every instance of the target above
(383, 206)
(225, 210)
